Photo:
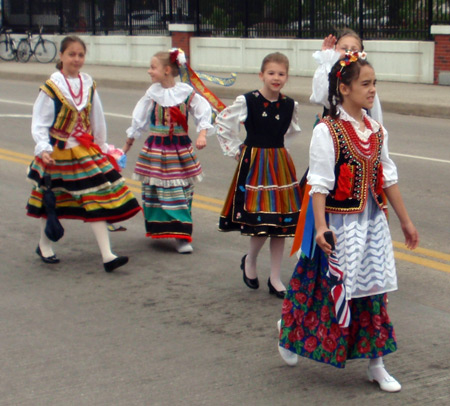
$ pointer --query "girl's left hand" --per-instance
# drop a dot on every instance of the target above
(411, 235)
(201, 141)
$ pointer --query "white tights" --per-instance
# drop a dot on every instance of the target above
(100, 230)
(276, 257)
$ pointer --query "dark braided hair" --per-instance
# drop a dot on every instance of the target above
(348, 74)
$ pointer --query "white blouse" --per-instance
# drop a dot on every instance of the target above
(326, 59)
(44, 113)
(228, 126)
(167, 97)
(322, 155)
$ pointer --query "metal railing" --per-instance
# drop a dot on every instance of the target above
(372, 19)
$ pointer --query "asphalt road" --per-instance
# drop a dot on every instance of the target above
(169, 329)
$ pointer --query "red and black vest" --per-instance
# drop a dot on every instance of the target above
(358, 169)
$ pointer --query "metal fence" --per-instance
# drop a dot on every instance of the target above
(372, 19)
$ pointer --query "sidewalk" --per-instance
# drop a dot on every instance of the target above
(403, 98)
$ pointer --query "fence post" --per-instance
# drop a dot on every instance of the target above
(246, 19)
(360, 17)
(94, 28)
(30, 16)
(61, 17)
(181, 37)
(441, 54)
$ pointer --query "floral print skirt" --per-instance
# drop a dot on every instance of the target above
(309, 326)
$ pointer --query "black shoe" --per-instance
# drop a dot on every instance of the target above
(48, 260)
(115, 263)
(251, 283)
(279, 294)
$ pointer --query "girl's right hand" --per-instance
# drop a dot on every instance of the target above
(329, 42)
(322, 243)
(47, 158)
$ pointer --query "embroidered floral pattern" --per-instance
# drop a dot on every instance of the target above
(344, 183)
(309, 326)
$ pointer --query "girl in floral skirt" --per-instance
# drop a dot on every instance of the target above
(336, 304)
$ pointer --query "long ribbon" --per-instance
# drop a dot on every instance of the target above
(301, 221)
(336, 278)
(188, 75)
(87, 140)
(218, 80)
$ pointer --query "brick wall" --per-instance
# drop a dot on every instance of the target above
(181, 37)
(441, 55)
(441, 51)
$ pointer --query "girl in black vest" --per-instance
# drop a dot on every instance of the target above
(264, 197)
(336, 303)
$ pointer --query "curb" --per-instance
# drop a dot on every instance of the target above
(416, 109)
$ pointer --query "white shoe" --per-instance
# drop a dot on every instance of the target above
(183, 247)
(388, 383)
(288, 356)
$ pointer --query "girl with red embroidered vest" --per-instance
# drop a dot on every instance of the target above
(167, 165)
(264, 197)
(336, 304)
(69, 129)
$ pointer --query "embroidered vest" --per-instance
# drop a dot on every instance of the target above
(66, 116)
(357, 174)
(162, 122)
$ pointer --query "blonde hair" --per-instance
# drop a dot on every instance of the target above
(164, 57)
(276, 57)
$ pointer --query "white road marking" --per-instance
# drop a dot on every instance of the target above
(129, 117)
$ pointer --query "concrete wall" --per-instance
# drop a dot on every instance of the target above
(400, 61)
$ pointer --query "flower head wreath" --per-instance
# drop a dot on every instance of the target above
(177, 56)
(349, 57)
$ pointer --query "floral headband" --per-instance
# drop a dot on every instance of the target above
(350, 56)
(177, 56)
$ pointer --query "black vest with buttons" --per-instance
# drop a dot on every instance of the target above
(267, 121)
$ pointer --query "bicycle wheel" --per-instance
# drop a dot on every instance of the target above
(6, 51)
(23, 51)
(45, 51)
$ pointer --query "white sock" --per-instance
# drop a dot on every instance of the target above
(100, 229)
(44, 243)
(276, 257)
(256, 243)
(377, 369)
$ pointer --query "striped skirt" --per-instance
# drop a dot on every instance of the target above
(168, 161)
(264, 196)
(86, 187)
(168, 167)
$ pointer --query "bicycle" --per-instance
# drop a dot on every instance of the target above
(44, 50)
(8, 49)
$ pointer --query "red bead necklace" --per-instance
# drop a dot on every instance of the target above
(365, 147)
(77, 98)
